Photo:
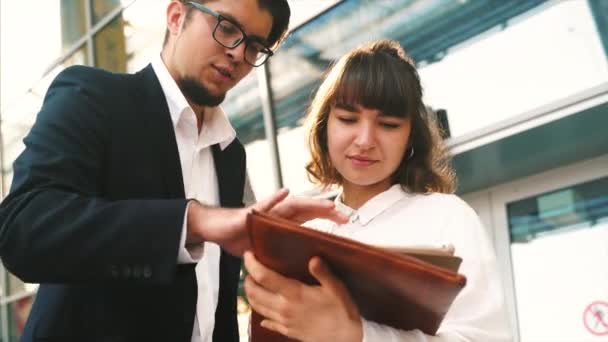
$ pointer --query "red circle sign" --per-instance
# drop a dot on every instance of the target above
(595, 318)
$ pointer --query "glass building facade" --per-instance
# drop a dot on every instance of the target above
(522, 85)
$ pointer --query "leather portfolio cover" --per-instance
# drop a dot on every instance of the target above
(388, 287)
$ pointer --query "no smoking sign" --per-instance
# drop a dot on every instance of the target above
(595, 318)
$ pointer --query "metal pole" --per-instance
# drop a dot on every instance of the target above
(266, 97)
(89, 34)
(4, 306)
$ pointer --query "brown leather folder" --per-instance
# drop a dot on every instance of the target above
(388, 287)
(443, 256)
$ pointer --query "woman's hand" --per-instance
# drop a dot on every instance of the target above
(308, 313)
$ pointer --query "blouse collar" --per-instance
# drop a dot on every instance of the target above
(374, 206)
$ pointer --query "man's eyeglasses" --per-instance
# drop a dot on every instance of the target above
(230, 35)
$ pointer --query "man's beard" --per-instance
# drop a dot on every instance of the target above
(194, 91)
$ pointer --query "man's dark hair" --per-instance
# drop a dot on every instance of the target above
(279, 10)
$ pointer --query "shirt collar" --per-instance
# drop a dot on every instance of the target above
(216, 129)
(374, 206)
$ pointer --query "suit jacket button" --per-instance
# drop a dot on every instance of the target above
(147, 271)
(114, 271)
(126, 271)
(137, 271)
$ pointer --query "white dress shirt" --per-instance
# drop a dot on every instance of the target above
(200, 183)
(396, 218)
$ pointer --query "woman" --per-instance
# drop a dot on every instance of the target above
(372, 136)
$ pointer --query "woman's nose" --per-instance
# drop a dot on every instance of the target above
(366, 136)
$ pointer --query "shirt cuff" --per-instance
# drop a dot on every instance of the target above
(192, 253)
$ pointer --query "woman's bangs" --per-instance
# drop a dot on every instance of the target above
(370, 83)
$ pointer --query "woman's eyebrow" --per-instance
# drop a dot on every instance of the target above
(348, 107)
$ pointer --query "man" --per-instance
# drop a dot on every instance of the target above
(113, 207)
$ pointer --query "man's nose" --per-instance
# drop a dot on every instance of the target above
(237, 54)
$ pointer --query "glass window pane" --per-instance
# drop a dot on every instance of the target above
(144, 31)
(101, 8)
(27, 54)
(535, 60)
(73, 21)
(559, 248)
(110, 46)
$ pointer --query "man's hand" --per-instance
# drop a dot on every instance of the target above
(302, 209)
(307, 313)
(227, 227)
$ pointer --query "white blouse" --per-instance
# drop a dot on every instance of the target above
(396, 218)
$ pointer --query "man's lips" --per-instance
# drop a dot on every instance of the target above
(227, 73)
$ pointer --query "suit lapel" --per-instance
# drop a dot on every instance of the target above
(229, 167)
(160, 131)
(230, 170)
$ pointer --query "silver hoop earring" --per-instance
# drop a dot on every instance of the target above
(411, 153)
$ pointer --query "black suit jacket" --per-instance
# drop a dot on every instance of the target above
(95, 214)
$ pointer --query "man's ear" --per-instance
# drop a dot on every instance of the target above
(176, 14)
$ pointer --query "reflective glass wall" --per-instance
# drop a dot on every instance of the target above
(559, 248)
(530, 60)
(483, 62)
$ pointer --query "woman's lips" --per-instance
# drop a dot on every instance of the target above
(361, 161)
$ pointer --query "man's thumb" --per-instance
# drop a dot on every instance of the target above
(267, 204)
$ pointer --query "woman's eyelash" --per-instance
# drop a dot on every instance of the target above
(390, 125)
